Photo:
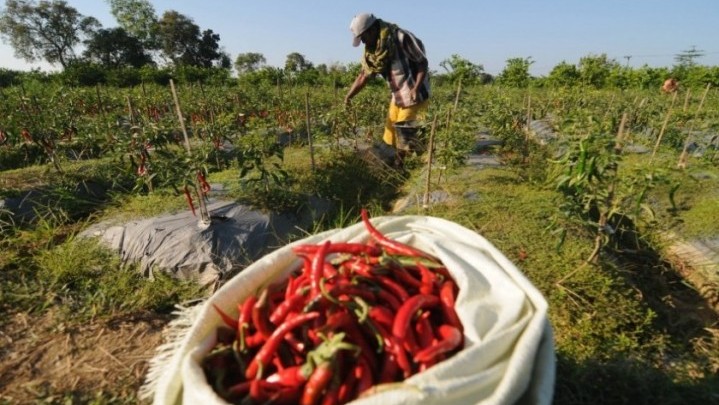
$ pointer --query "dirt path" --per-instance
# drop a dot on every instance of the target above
(43, 359)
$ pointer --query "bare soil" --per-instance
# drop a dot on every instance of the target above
(43, 359)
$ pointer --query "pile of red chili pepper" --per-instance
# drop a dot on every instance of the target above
(354, 316)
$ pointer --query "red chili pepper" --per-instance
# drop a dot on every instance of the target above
(317, 383)
(394, 287)
(423, 327)
(356, 337)
(243, 323)
(204, 185)
(393, 346)
(446, 296)
(189, 200)
(295, 302)
(239, 390)
(389, 368)
(381, 315)
(407, 311)
(347, 388)
(260, 316)
(364, 376)
(358, 249)
(338, 320)
(257, 390)
(293, 376)
(295, 343)
(255, 340)
(388, 243)
(317, 269)
(451, 338)
(329, 270)
(332, 394)
(26, 135)
(228, 320)
(264, 355)
(428, 279)
(389, 299)
(359, 267)
(402, 275)
(338, 291)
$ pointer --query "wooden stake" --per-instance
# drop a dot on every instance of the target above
(180, 118)
(309, 133)
(664, 127)
(425, 199)
(204, 214)
(129, 109)
(684, 157)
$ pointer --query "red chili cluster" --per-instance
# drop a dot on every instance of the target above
(356, 315)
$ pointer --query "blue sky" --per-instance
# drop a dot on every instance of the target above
(636, 32)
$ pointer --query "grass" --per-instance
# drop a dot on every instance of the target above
(626, 330)
(683, 200)
(617, 338)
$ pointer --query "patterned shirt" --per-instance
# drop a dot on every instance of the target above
(409, 57)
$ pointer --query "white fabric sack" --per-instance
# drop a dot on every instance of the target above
(508, 355)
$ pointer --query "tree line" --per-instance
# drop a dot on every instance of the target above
(145, 47)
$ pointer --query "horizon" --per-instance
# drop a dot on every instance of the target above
(642, 33)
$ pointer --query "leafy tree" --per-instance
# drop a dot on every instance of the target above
(265, 75)
(224, 61)
(138, 18)
(249, 62)
(564, 75)
(621, 77)
(183, 44)
(516, 73)
(648, 77)
(114, 48)
(208, 50)
(459, 68)
(594, 70)
(45, 30)
(296, 62)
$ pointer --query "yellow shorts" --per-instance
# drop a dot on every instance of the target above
(398, 114)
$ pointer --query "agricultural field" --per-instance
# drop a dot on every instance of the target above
(589, 191)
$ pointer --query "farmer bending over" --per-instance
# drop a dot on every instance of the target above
(399, 57)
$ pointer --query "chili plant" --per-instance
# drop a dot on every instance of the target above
(262, 174)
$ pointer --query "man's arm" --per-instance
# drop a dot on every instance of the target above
(421, 73)
(358, 85)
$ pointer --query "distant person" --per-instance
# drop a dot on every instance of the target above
(399, 57)
(670, 85)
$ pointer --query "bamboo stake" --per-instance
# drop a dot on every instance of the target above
(684, 157)
(451, 112)
(178, 111)
(664, 127)
(425, 199)
(129, 109)
(456, 103)
(204, 214)
(525, 152)
(686, 100)
(309, 133)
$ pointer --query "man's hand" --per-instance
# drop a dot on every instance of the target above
(348, 100)
(413, 94)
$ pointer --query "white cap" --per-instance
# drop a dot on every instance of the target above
(359, 24)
